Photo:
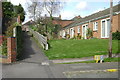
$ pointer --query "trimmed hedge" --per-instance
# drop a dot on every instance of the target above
(116, 35)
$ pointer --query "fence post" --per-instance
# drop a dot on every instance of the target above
(11, 48)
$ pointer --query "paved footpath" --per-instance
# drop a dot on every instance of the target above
(34, 64)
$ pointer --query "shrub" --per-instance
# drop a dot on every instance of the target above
(89, 33)
(67, 36)
(9, 32)
(116, 35)
(78, 36)
(4, 48)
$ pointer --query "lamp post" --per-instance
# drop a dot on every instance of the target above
(110, 35)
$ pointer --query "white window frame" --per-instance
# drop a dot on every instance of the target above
(106, 28)
(95, 26)
(78, 29)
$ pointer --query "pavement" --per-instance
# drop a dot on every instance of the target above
(34, 64)
(80, 59)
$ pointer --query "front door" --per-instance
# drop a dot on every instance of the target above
(84, 31)
(71, 33)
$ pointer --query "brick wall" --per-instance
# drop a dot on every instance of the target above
(11, 51)
(11, 44)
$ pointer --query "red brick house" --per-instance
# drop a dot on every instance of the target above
(98, 22)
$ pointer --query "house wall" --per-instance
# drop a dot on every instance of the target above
(97, 34)
(116, 23)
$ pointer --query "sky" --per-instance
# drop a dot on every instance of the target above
(74, 8)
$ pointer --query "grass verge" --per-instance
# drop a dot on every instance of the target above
(114, 59)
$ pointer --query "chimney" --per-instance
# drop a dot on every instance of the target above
(59, 16)
(78, 16)
(18, 19)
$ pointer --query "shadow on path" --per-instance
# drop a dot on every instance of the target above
(31, 52)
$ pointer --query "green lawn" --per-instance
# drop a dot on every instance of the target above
(79, 48)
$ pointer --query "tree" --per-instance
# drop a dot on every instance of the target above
(35, 9)
(8, 14)
(19, 10)
(52, 7)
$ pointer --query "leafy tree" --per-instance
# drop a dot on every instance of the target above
(8, 14)
(19, 10)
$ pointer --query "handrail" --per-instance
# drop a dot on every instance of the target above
(40, 38)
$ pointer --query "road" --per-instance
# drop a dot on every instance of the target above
(34, 64)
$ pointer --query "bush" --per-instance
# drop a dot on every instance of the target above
(67, 36)
(116, 35)
(9, 32)
(78, 36)
(89, 33)
(4, 48)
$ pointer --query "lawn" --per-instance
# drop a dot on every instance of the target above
(61, 49)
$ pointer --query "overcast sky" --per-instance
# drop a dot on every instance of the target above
(74, 8)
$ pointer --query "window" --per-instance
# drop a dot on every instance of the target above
(95, 26)
(105, 28)
(78, 29)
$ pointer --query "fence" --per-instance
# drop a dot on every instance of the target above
(40, 38)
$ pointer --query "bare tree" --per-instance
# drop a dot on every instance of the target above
(32, 9)
(52, 7)
(35, 9)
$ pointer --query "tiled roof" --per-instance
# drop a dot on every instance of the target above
(99, 14)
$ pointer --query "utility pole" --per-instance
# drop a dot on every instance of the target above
(110, 35)
(0, 17)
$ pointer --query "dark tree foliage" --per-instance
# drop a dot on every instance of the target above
(19, 10)
(8, 14)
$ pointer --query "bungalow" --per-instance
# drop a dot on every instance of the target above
(98, 23)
